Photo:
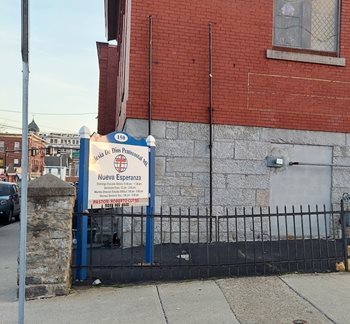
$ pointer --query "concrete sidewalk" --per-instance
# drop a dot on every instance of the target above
(313, 298)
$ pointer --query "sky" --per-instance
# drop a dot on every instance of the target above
(63, 80)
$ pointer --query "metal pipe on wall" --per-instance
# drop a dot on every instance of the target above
(150, 26)
(210, 132)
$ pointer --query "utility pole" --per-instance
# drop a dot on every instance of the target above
(24, 164)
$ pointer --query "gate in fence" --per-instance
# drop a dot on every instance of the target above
(243, 243)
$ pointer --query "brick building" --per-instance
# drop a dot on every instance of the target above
(280, 89)
(11, 154)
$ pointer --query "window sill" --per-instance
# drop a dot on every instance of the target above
(306, 58)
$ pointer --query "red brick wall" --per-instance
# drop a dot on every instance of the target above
(248, 89)
(108, 61)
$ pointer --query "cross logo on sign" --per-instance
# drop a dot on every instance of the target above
(120, 163)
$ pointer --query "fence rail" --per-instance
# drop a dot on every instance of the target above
(192, 244)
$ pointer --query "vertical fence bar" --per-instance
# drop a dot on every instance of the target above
(262, 240)
(132, 234)
(254, 247)
(279, 240)
(227, 239)
(311, 238)
(161, 235)
(287, 238)
(303, 237)
(344, 238)
(295, 240)
(319, 237)
(245, 241)
(198, 225)
(326, 233)
(270, 229)
(180, 241)
(142, 243)
(207, 243)
(189, 233)
(237, 244)
(334, 233)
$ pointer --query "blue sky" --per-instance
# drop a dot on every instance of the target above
(63, 63)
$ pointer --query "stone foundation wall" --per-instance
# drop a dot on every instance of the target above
(240, 175)
(49, 237)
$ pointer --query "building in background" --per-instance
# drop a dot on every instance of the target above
(65, 144)
(58, 166)
(61, 142)
(11, 155)
(277, 90)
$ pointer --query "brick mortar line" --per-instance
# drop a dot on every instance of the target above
(308, 301)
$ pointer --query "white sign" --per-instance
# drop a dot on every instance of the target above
(118, 174)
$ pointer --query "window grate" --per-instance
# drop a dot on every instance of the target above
(306, 24)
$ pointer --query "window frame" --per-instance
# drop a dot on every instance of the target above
(335, 53)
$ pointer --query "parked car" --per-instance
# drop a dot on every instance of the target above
(9, 201)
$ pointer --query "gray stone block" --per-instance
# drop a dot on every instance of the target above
(227, 132)
(171, 130)
(194, 131)
(183, 174)
(172, 125)
(302, 137)
(223, 150)
(219, 181)
(248, 181)
(342, 161)
(200, 179)
(179, 201)
(262, 198)
(249, 150)
(234, 197)
(173, 181)
(341, 177)
(240, 167)
(201, 149)
(37, 291)
(187, 165)
(167, 190)
(337, 194)
(171, 148)
(160, 166)
(171, 133)
(192, 192)
(341, 151)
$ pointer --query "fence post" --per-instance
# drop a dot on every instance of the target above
(82, 205)
(151, 142)
(345, 240)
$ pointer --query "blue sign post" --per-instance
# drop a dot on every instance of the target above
(82, 204)
(124, 161)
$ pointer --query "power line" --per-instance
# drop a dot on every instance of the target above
(49, 114)
(49, 128)
(9, 126)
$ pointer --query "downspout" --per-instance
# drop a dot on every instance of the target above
(210, 133)
(150, 75)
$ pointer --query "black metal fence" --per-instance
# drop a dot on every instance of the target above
(194, 245)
